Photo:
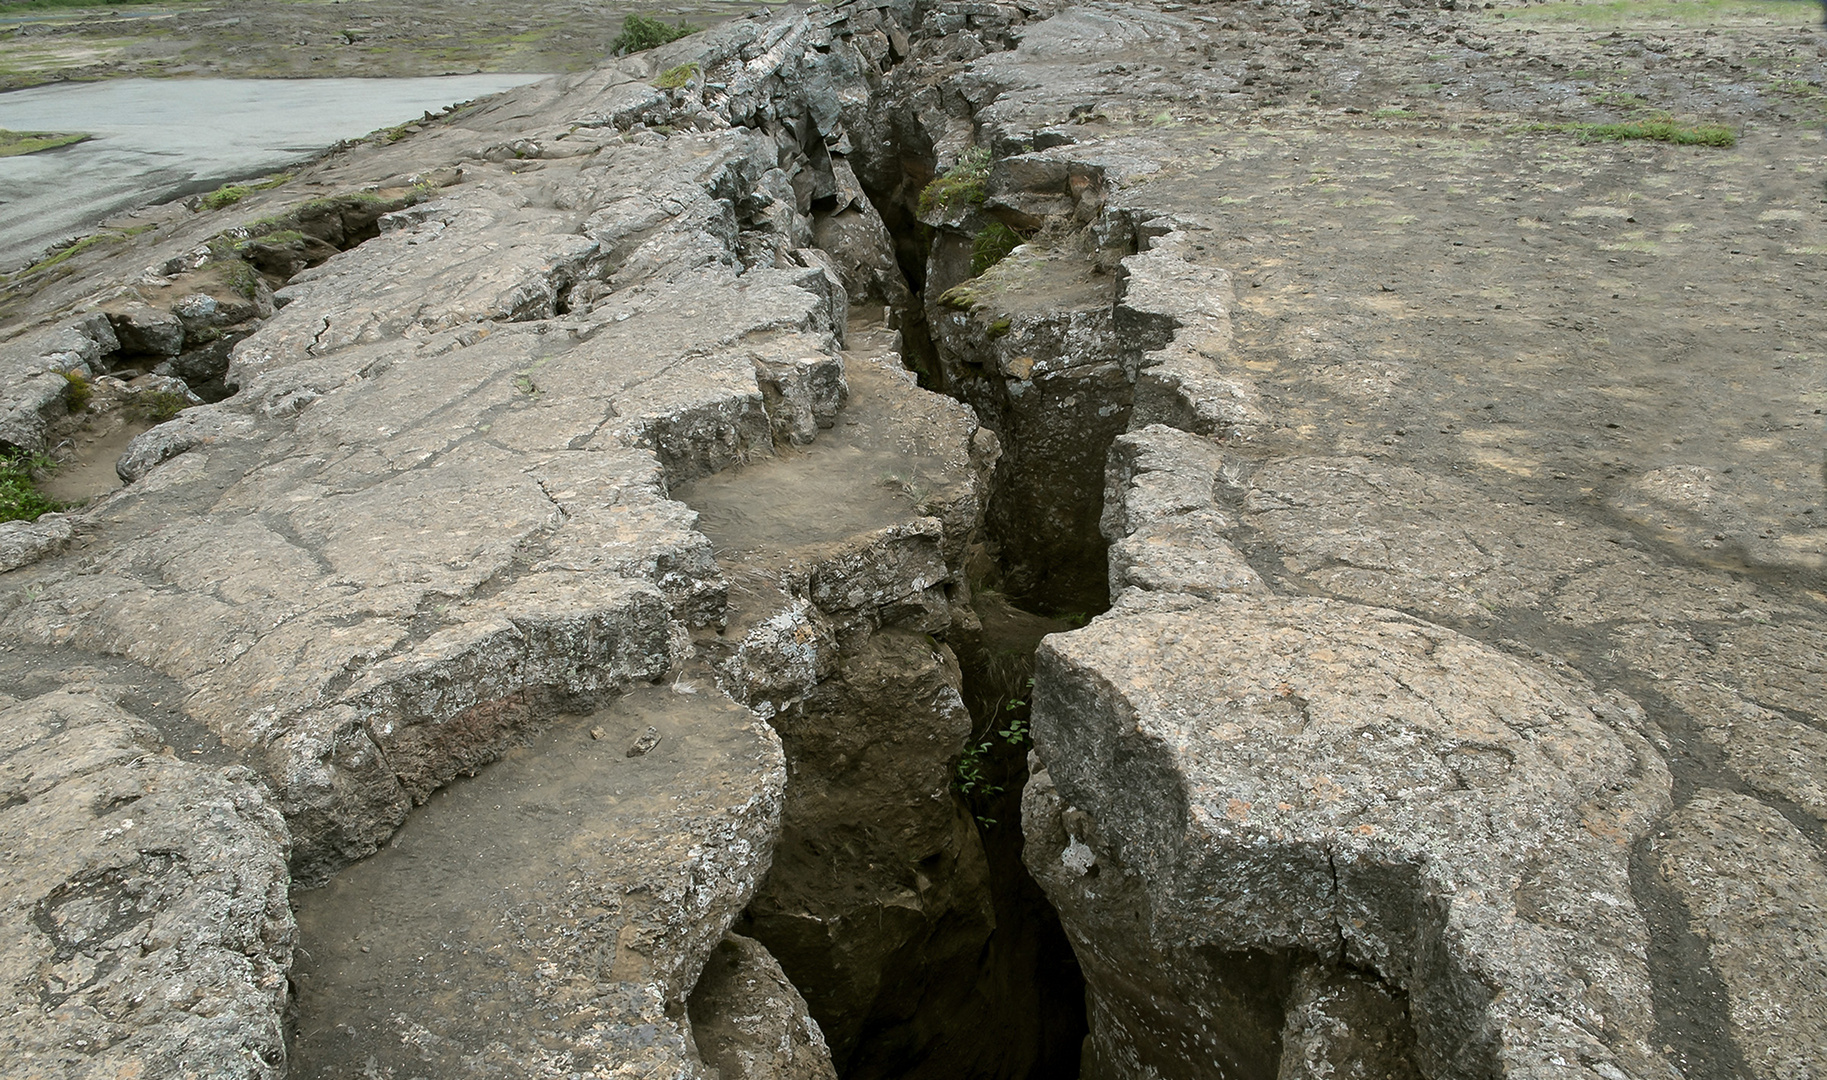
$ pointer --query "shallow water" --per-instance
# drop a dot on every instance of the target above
(158, 139)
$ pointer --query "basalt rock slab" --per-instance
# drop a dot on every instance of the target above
(1752, 885)
(144, 901)
(1245, 783)
(553, 914)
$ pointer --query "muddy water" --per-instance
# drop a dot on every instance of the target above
(158, 139)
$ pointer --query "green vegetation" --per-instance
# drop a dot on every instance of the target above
(999, 328)
(1684, 12)
(674, 78)
(76, 397)
(972, 777)
(640, 33)
(964, 184)
(958, 298)
(66, 254)
(14, 143)
(991, 245)
(230, 194)
(20, 499)
(161, 405)
(1663, 130)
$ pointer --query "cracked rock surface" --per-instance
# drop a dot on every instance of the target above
(146, 931)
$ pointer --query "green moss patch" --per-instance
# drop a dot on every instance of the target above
(230, 194)
(14, 143)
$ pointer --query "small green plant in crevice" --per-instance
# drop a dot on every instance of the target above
(640, 33)
(20, 499)
(972, 778)
(999, 328)
(76, 395)
(964, 184)
(159, 406)
(1664, 130)
(674, 78)
(991, 245)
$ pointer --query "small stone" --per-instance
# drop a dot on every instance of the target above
(598, 733)
(648, 740)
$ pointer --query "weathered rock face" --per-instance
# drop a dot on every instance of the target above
(1309, 778)
(146, 931)
(1269, 444)
(751, 1023)
(440, 512)
(575, 411)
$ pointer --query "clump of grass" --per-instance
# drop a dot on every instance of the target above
(674, 78)
(161, 405)
(640, 33)
(77, 395)
(991, 245)
(965, 183)
(230, 194)
(14, 143)
(20, 499)
(1665, 130)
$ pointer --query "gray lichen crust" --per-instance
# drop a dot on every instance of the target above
(142, 902)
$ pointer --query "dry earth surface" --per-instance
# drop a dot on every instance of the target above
(313, 39)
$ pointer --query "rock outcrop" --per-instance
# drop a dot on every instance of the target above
(1430, 719)
(144, 900)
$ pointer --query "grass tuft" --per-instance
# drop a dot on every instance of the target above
(965, 183)
(674, 78)
(991, 245)
(1667, 131)
(20, 499)
(76, 397)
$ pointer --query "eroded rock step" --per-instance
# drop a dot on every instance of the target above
(548, 916)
